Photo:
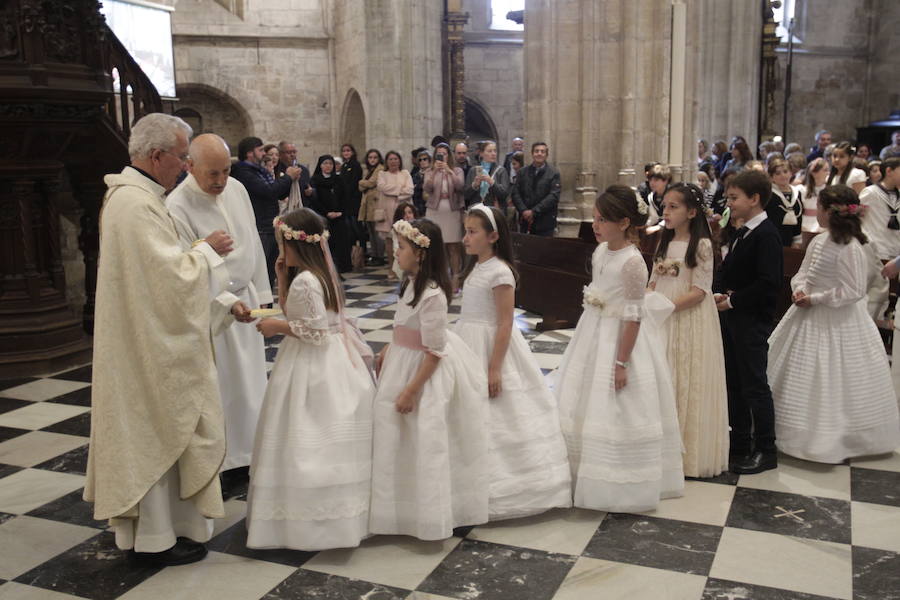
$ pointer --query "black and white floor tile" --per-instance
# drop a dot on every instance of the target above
(803, 532)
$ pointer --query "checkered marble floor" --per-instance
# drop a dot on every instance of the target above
(805, 531)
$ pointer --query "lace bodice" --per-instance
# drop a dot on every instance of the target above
(832, 274)
(305, 310)
(478, 293)
(674, 266)
(429, 316)
(619, 281)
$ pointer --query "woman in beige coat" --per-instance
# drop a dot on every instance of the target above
(374, 165)
(395, 185)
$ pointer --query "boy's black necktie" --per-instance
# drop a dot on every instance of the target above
(741, 232)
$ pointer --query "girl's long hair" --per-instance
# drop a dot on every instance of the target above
(846, 148)
(691, 197)
(311, 257)
(502, 247)
(353, 157)
(813, 167)
(401, 209)
(433, 265)
(843, 225)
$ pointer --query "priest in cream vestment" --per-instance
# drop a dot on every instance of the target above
(209, 200)
(157, 431)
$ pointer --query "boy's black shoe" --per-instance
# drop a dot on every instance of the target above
(756, 463)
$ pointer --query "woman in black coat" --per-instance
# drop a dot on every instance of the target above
(330, 201)
(351, 172)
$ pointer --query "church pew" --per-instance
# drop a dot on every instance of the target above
(552, 275)
(554, 271)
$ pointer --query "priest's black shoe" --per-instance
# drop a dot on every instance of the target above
(756, 463)
(183, 552)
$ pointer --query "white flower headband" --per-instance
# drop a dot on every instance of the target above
(412, 234)
(298, 234)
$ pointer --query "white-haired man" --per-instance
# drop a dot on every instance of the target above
(823, 140)
(517, 145)
(157, 432)
(207, 200)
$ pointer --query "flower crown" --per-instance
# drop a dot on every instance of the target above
(641, 205)
(297, 234)
(412, 234)
(848, 209)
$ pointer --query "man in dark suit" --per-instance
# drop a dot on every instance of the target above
(536, 193)
(746, 288)
(264, 196)
(287, 157)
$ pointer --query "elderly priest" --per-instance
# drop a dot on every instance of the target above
(157, 432)
(207, 200)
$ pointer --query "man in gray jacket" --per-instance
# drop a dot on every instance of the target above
(536, 193)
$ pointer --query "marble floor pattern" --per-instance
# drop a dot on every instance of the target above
(803, 532)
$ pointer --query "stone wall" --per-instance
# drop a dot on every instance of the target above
(845, 68)
(884, 65)
(219, 113)
(274, 63)
(389, 52)
(494, 72)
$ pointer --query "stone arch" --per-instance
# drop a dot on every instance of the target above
(353, 122)
(479, 124)
(214, 111)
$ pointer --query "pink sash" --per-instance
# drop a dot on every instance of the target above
(407, 337)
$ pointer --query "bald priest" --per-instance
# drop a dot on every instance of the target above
(209, 200)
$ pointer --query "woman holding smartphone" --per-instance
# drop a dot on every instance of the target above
(487, 182)
(444, 204)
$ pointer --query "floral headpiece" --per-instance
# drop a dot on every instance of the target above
(297, 234)
(412, 234)
(848, 209)
(641, 205)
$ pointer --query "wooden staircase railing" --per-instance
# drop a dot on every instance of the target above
(136, 96)
(63, 126)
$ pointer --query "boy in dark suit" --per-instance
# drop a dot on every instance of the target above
(746, 286)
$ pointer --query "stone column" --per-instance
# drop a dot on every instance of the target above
(767, 125)
(454, 22)
(614, 84)
(597, 90)
(726, 41)
(402, 86)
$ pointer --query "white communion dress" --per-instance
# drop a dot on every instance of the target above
(624, 446)
(528, 466)
(829, 373)
(430, 465)
(310, 478)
